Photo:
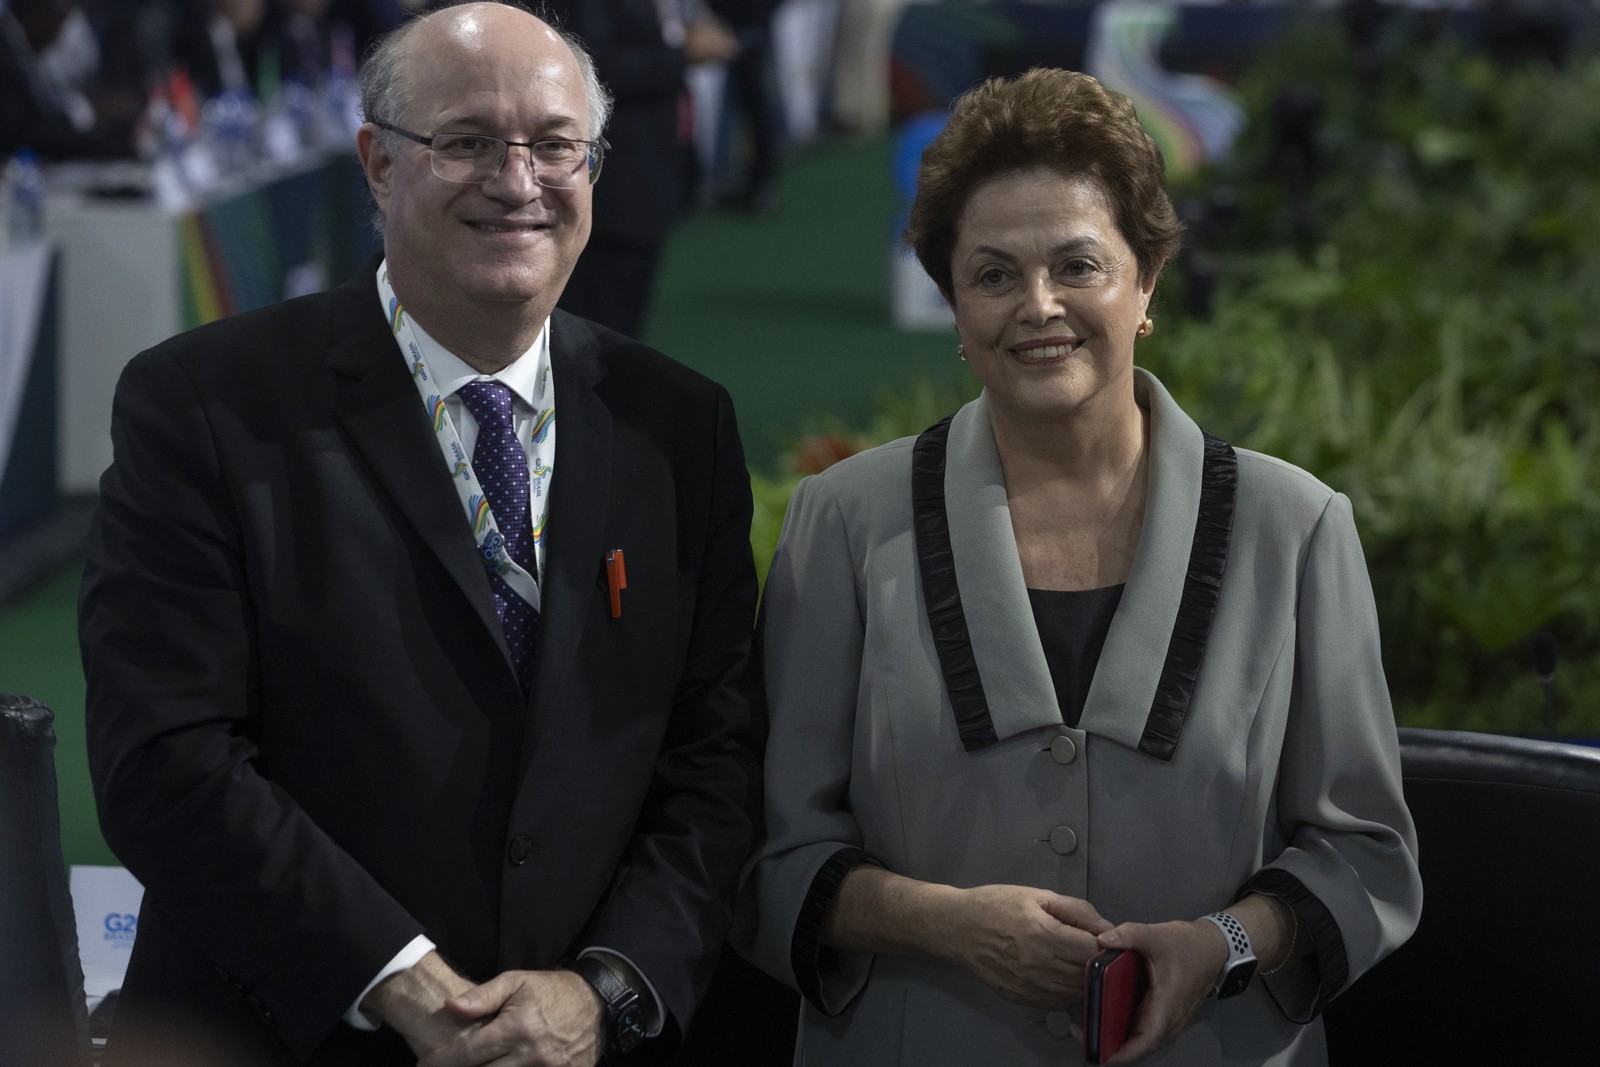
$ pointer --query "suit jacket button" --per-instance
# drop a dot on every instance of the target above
(1062, 750)
(521, 850)
(1063, 841)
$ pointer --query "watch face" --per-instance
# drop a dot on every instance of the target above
(1237, 979)
(628, 1029)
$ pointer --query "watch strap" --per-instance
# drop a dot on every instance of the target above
(1241, 965)
(621, 1001)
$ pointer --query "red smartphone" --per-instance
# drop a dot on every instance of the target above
(1117, 980)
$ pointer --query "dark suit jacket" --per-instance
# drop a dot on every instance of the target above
(305, 734)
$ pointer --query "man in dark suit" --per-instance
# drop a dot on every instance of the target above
(422, 742)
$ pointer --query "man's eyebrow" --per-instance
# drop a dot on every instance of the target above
(562, 126)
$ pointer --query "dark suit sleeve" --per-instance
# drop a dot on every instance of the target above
(669, 906)
(170, 641)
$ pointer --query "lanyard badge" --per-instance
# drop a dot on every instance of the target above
(474, 502)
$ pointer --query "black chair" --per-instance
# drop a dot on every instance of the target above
(1505, 966)
(42, 1017)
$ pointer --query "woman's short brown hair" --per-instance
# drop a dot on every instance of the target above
(1050, 118)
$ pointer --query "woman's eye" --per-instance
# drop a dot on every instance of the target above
(1077, 268)
(991, 277)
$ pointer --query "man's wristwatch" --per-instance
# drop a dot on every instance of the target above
(1241, 965)
(624, 1009)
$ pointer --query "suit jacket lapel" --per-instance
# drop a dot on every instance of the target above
(1136, 647)
(579, 494)
(1005, 641)
(994, 595)
(378, 405)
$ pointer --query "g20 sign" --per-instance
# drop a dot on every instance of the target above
(120, 926)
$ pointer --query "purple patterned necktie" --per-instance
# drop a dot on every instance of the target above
(501, 467)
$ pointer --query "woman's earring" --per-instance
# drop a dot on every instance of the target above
(1147, 327)
(961, 351)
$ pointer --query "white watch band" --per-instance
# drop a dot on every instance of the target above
(1241, 965)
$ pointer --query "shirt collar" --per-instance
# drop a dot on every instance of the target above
(526, 376)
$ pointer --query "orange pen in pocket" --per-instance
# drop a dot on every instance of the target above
(616, 580)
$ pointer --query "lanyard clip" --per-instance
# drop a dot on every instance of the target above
(616, 580)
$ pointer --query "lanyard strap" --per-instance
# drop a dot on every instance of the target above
(485, 531)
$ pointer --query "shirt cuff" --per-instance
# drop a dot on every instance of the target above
(405, 959)
(657, 1016)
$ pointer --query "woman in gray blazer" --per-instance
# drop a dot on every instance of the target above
(1066, 672)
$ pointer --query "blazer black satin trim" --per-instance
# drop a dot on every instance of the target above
(1202, 585)
(807, 954)
(1330, 961)
(940, 596)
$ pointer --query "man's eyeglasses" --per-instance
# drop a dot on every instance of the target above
(472, 158)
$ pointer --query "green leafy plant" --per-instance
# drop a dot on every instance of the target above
(1433, 351)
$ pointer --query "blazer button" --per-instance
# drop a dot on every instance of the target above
(521, 850)
(1063, 841)
(1059, 1023)
(1063, 751)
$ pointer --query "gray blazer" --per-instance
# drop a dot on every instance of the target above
(1280, 773)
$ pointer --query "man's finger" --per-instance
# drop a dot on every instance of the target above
(478, 1048)
(482, 1000)
(507, 1060)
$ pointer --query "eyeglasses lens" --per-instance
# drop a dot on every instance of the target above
(474, 159)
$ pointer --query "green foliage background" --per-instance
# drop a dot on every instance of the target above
(1419, 326)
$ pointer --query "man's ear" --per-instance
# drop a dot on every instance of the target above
(376, 162)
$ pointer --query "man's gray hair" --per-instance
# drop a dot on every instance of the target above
(385, 94)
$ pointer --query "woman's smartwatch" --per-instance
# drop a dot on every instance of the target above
(624, 1010)
(1241, 965)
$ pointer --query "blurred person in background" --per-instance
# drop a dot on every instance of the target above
(1066, 673)
(642, 48)
(755, 163)
(216, 42)
(50, 95)
(859, 102)
(302, 31)
(418, 710)
(299, 30)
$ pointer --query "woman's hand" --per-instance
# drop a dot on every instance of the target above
(1029, 945)
(1185, 959)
